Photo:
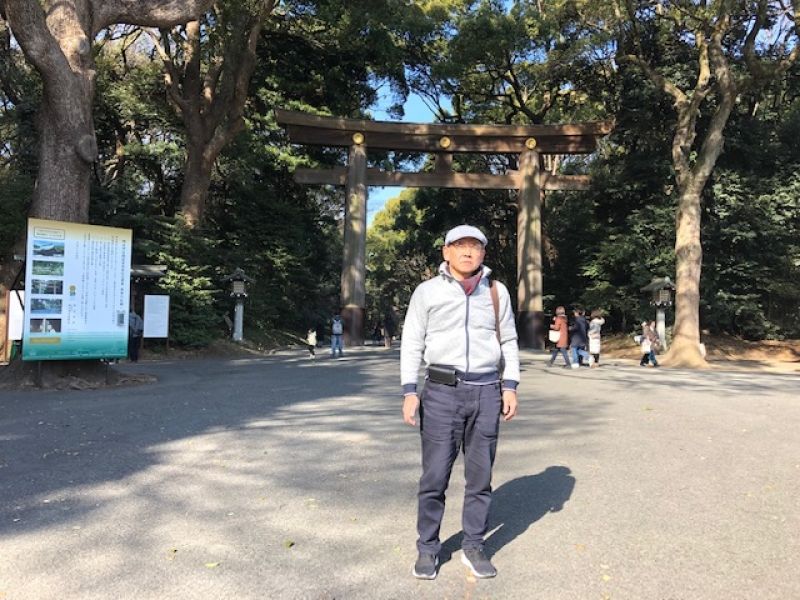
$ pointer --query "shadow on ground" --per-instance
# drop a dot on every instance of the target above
(518, 504)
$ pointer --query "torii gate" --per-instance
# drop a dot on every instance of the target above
(530, 142)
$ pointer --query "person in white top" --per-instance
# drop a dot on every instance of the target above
(461, 325)
(595, 326)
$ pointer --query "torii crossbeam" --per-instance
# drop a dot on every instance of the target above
(530, 142)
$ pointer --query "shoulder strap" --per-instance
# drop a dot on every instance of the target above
(496, 304)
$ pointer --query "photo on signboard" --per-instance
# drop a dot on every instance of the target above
(47, 286)
(41, 306)
(45, 325)
(48, 248)
(48, 267)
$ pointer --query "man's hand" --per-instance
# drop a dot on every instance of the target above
(410, 406)
(509, 404)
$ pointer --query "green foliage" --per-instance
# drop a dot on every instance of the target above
(516, 63)
(404, 244)
(478, 62)
(190, 281)
(283, 236)
(752, 259)
(15, 194)
(397, 259)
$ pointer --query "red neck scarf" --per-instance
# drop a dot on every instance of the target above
(470, 284)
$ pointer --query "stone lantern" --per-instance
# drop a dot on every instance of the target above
(239, 282)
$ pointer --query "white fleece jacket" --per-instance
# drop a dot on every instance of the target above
(445, 326)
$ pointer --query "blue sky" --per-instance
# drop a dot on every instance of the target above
(415, 112)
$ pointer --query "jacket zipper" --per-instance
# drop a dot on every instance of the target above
(466, 330)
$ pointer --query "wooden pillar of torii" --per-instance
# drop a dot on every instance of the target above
(529, 142)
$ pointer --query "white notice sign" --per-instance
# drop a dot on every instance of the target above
(16, 315)
(156, 316)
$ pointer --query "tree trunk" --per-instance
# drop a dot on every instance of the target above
(67, 144)
(56, 38)
(685, 350)
(196, 181)
(211, 103)
(64, 178)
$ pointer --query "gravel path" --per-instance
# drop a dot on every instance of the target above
(284, 477)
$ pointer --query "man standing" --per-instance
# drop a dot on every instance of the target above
(135, 330)
(462, 325)
(337, 330)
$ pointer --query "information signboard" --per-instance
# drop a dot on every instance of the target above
(156, 316)
(77, 279)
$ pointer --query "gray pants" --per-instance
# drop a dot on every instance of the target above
(457, 417)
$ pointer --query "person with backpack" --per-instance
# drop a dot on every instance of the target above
(460, 324)
(337, 333)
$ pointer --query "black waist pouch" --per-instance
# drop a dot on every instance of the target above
(442, 374)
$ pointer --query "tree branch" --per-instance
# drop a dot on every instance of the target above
(161, 14)
(191, 68)
(228, 106)
(713, 142)
(657, 78)
(29, 26)
(170, 72)
(759, 69)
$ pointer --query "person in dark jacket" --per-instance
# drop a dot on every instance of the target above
(579, 339)
(135, 331)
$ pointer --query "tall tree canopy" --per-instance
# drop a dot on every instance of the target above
(727, 49)
(91, 130)
(57, 39)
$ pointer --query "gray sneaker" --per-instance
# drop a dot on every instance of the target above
(477, 562)
(426, 567)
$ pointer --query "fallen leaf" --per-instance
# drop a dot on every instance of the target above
(606, 577)
(212, 565)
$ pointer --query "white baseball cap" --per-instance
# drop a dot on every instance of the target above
(464, 231)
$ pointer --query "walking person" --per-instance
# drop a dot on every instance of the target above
(655, 343)
(648, 345)
(337, 334)
(311, 340)
(560, 325)
(135, 331)
(595, 326)
(579, 338)
(461, 324)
